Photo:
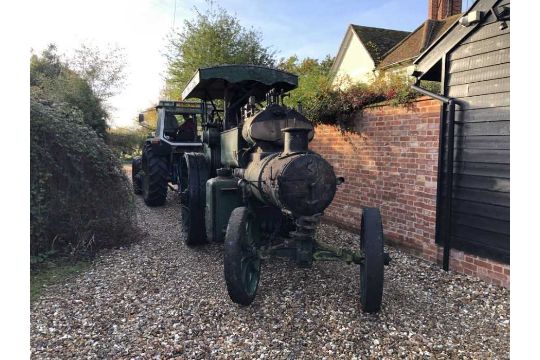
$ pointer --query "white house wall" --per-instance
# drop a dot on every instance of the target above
(356, 64)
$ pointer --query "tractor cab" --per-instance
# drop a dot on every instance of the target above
(180, 123)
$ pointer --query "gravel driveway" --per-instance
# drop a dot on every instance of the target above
(159, 299)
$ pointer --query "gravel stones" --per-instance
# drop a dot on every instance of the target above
(158, 299)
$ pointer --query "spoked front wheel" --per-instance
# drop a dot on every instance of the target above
(242, 265)
(372, 266)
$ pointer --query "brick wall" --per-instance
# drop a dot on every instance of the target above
(390, 162)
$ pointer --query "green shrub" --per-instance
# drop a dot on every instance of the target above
(58, 82)
(126, 142)
(335, 106)
(325, 103)
(80, 199)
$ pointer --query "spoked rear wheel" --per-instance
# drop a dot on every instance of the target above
(372, 267)
(242, 265)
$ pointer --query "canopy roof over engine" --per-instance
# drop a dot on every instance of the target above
(213, 82)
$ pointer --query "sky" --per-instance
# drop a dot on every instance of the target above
(302, 27)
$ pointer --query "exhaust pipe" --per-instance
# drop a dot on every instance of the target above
(296, 140)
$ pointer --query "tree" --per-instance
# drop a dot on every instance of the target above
(314, 77)
(213, 38)
(49, 66)
(102, 69)
(150, 118)
(53, 80)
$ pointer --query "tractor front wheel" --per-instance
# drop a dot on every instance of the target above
(372, 266)
(136, 175)
(242, 265)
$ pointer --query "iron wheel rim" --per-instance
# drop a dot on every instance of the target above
(363, 272)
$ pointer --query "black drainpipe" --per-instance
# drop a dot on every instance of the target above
(447, 228)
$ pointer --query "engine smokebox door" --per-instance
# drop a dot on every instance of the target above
(307, 184)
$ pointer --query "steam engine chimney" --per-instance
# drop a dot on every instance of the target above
(441, 9)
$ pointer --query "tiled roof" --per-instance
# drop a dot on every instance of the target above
(378, 41)
(413, 45)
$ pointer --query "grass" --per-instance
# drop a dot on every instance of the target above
(53, 273)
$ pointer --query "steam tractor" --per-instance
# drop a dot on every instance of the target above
(257, 187)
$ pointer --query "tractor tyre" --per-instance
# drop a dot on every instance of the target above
(372, 266)
(136, 175)
(155, 178)
(193, 199)
(242, 264)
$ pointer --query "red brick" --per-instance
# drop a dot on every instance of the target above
(392, 164)
(470, 266)
(482, 264)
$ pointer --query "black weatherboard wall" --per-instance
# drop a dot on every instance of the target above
(475, 69)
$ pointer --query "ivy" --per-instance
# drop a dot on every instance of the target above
(329, 103)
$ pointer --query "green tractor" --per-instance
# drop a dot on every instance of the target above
(178, 130)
